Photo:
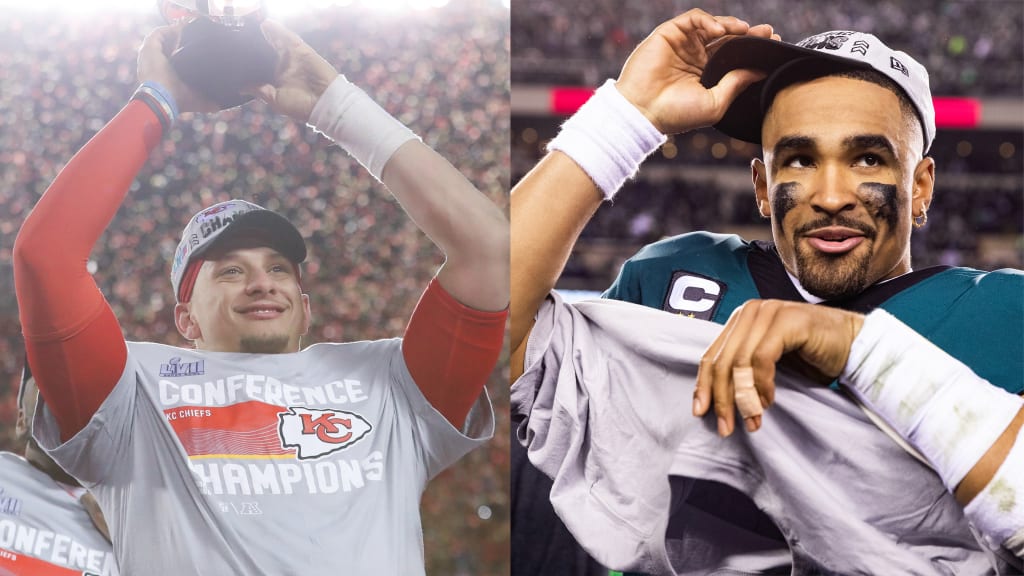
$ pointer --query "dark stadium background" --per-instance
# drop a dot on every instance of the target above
(443, 70)
(701, 180)
(972, 49)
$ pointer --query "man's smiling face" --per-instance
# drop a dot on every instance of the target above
(842, 176)
(246, 300)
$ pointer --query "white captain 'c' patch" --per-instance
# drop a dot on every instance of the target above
(693, 295)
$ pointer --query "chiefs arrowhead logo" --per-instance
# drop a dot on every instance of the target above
(316, 433)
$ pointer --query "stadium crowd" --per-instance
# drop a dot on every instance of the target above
(444, 72)
(977, 218)
(968, 47)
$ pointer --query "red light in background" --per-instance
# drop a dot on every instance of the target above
(949, 112)
(566, 100)
(957, 112)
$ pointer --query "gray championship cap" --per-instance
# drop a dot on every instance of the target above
(227, 220)
(819, 55)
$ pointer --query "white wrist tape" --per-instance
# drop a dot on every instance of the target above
(998, 510)
(609, 138)
(1015, 544)
(936, 403)
(747, 400)
(366, 131)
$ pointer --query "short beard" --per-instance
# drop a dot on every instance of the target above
(832, 277)
(265, 344)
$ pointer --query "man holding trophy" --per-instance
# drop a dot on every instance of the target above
(249, 454)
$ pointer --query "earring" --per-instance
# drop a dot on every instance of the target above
(919, 221)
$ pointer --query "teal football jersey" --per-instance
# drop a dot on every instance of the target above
(975, 316)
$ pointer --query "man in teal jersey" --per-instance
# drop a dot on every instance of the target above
(845, 123)
(974, 316)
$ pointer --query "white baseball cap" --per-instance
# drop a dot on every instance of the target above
(225, 220)
(819, 55)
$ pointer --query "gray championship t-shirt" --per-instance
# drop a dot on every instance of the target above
(215, 464)
(44, 529)
(604, 409)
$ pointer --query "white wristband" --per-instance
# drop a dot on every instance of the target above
(366, 131)
(998, 510)
(609, 138)
(935, 402)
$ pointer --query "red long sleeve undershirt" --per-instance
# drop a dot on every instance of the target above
(450, 350)
(74, 343)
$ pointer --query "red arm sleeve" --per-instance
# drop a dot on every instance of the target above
(450, 350)
(74, 344)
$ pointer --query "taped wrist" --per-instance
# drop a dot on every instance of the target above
(998, 510)
(348, 116)
(944, 410)
(608, 138)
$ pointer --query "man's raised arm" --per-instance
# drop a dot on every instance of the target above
(72, 339)
(659, 92)
(454, 337)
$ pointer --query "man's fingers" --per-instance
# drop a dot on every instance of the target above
(748, 402)
(725, 409)
(699, 22)
(737, 371)
(165, 38)
(705, 393)
(723, 388)
(278, 36)
(753, 353)
(753, 423)
(763, 363)
(732, 24)
(695, 19)
(702, 394)
(659, 75)
(761, 31)
(730, 86)
(733, 385)
(266, 92)
(154, 41)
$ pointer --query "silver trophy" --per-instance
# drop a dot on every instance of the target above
(222, 51)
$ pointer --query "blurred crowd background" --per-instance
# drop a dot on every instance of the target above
(446, 71)
(968, 46)
(443, 71)
(701, 180)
